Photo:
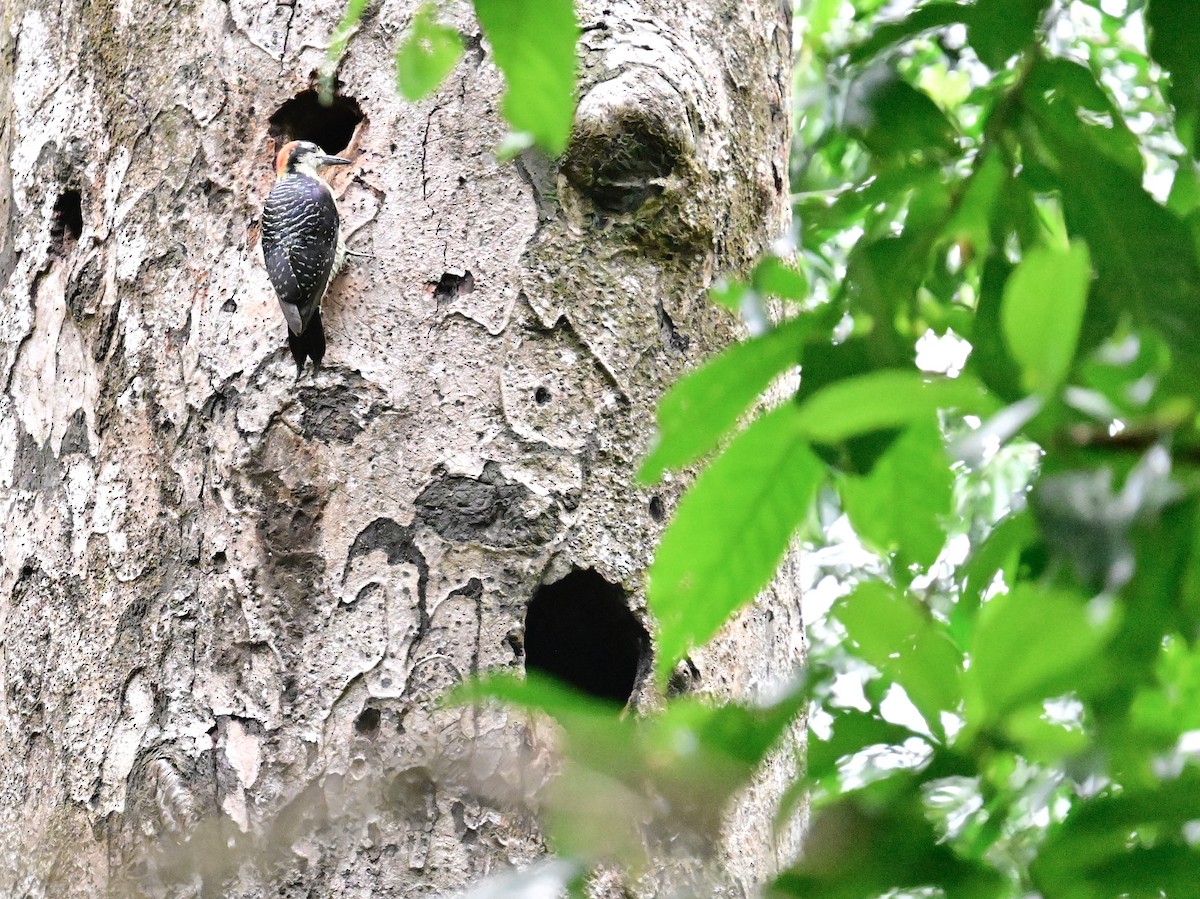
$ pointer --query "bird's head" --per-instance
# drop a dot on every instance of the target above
(305, 157)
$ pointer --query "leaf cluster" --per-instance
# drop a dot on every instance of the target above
(1016, 181)
(963, 176)
(532, 42)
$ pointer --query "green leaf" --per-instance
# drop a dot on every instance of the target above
(893, 119)
(902, 504)
(699, 754)
(857, 849)
(990, 358)
(729, 533)
(922, 19)
(534, 692)
(1174, 36)
(533, 42)
(1029, 645)
(703, 405)
(1122, 372)
(1145, 257)
(852, 731)
(885, 399)
(900, 639)
(1042, 311)
(882, 278)
(819, 14)
(1096, 851)
(1163, 537)
(427, 55)
(971, 222)
(999, 553)
(1071, 104)
(1163, 712)
(1001, 28)
(1043, 740)
(774, 277)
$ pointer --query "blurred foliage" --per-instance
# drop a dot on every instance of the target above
(993, 301)
(532, 42)
(1015, 181)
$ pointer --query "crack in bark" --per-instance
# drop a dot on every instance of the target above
(287, 30)
(424, 151)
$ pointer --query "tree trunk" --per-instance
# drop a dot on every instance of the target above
(230, 596)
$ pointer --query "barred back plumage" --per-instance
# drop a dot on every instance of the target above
(300, 242)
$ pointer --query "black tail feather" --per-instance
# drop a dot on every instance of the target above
(308, 345)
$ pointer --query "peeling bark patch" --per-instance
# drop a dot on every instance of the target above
(384, 534)
(397, 543)
(26, 651)
(134, 615)
(67, 222)
(168, 795)
(85, 290)
(173, 800)
(177, 338)
(580, 630)
(289, 529)
(35, 467)
(412, 794)
(473, 590)
(106, 335)
(338, 412)
(304, 118)
(219, 403)
(8, 209)
(488, 510)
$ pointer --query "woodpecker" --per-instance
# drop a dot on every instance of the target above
(302, 244)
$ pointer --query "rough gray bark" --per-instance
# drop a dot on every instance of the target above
(229, 597)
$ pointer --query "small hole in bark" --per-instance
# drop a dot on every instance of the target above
(304, 118)
(541, 396)
(452, 285)
(515, 642)
(67, 222)
(229, 305)
(657, 510)
(219, 561)
(367, 721)
(580, 630)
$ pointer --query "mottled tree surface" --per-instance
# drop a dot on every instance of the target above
(229, 597)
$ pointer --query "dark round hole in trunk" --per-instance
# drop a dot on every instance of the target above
(580, 630)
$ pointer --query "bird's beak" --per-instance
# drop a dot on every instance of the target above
(333, 160)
